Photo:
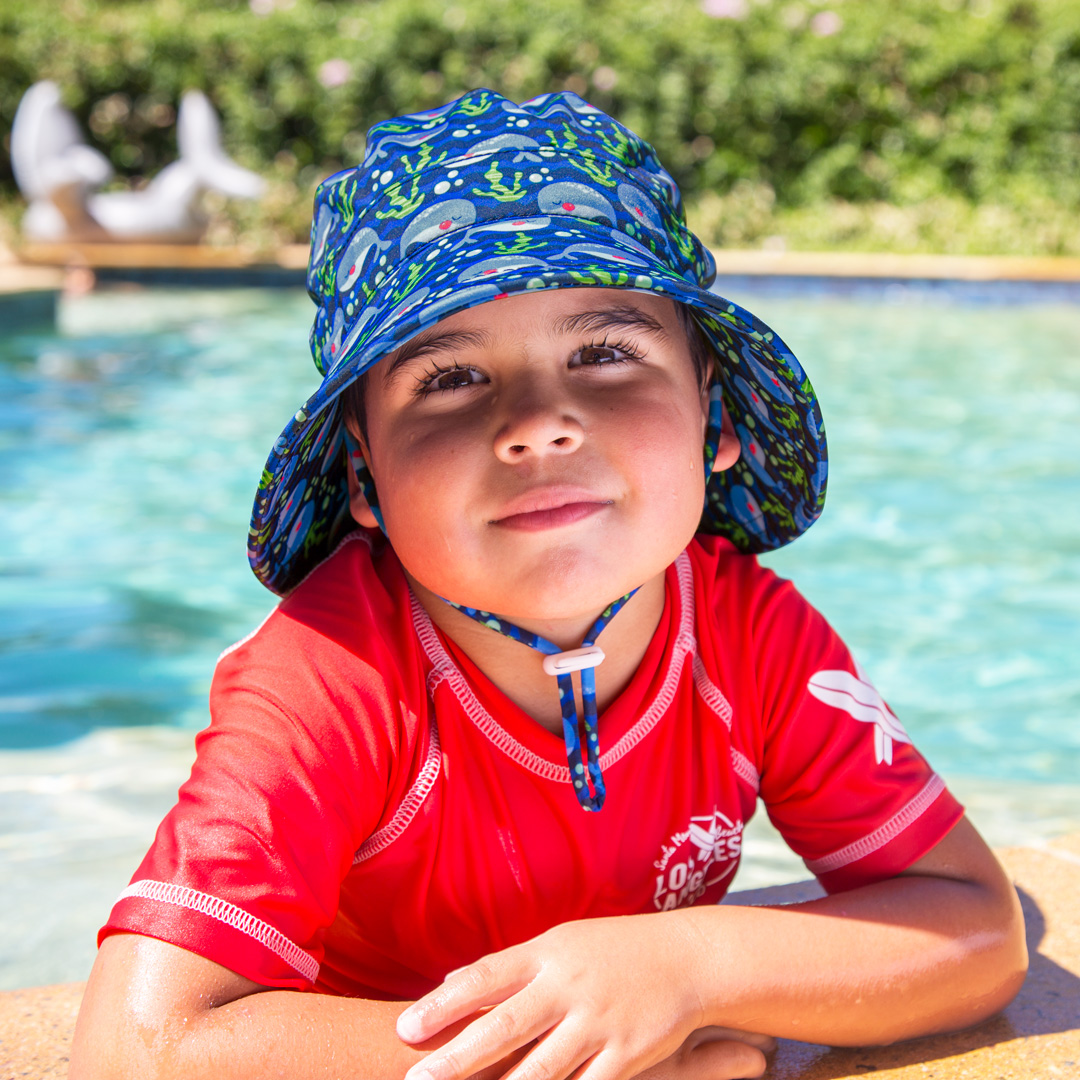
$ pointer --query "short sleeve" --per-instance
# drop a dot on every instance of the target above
(246, 868)
(840, 777)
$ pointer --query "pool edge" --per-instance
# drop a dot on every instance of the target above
(1037, 1035)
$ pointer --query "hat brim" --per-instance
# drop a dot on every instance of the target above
(770, 496)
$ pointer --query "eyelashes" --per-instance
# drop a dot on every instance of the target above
(437, 378)
(628, 352)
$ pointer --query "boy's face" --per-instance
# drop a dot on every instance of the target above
(540, 456)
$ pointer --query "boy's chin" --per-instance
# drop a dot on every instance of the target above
(532, 610)
(544, 600)
(551, 612)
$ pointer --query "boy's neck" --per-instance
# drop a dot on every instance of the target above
(516, 669)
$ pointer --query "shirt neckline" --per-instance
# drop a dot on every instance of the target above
(621, 725)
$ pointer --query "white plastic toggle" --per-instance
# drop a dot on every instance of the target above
(573, 660)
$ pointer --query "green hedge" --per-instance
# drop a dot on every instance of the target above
(954, 104)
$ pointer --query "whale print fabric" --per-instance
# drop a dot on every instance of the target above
(484, 198)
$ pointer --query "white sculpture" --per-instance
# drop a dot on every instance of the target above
(59, 174)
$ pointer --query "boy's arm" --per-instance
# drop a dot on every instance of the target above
(154, 1010)
(941, 946)
(938, 947)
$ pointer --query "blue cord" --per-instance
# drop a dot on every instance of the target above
(573, 724)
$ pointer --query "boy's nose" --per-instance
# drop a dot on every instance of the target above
(535, 431)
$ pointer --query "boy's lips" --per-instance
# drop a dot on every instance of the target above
(548, 508)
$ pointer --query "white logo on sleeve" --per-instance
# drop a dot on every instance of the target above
(856, 695)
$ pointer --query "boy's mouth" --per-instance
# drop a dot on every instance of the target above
(549, 508)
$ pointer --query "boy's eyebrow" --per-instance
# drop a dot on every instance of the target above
(618, 317)
(434, 341)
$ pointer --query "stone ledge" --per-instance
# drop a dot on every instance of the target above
(1037, 1036)
(841, 264)
(752, 263)
(24, 279)
(140, 256)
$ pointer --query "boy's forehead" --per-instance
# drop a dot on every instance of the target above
(551, 313)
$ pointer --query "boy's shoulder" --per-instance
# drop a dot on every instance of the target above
(729, 578)
(346, 631)
(748, 614)
(354, 598)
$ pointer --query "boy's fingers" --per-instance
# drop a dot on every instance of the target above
(488, 1039)
(464, 992)
(501, 1069)
(724, 1060)
(765, 1043)
(559, 1055)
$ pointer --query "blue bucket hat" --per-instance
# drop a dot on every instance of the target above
(485, 198)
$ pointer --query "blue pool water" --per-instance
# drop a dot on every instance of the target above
(129, 449)
(948, 555)
(949, 552)
(131, 441)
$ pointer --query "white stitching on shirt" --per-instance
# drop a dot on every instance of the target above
(744, 769)
(166, 892)
(489, 726)
(448, 672)
(382, 838)
(881, 836)
(711, 694)
(715, 699)
(685, 645)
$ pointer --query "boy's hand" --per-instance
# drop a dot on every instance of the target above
(715, 1053)
(607, 999)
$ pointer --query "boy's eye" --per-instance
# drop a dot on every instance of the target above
(596, 355)
(451, 379)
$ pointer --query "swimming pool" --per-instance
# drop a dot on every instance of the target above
(131, 441)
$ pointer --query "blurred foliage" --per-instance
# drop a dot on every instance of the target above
(916, 125)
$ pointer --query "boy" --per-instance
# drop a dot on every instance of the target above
(497, 764)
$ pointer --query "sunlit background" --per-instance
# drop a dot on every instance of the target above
(133, 432)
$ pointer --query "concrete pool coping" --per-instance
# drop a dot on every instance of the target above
(1038, 1035)
(979, 278)
(170, 264)
(729, 261)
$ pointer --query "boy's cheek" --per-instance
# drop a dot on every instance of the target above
(417, 456)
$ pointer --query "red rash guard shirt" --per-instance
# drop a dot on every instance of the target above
(367, 812)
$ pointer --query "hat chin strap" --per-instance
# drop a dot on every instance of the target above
(587, 778)
(586, 775)
(714, 427)
(363, 476)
